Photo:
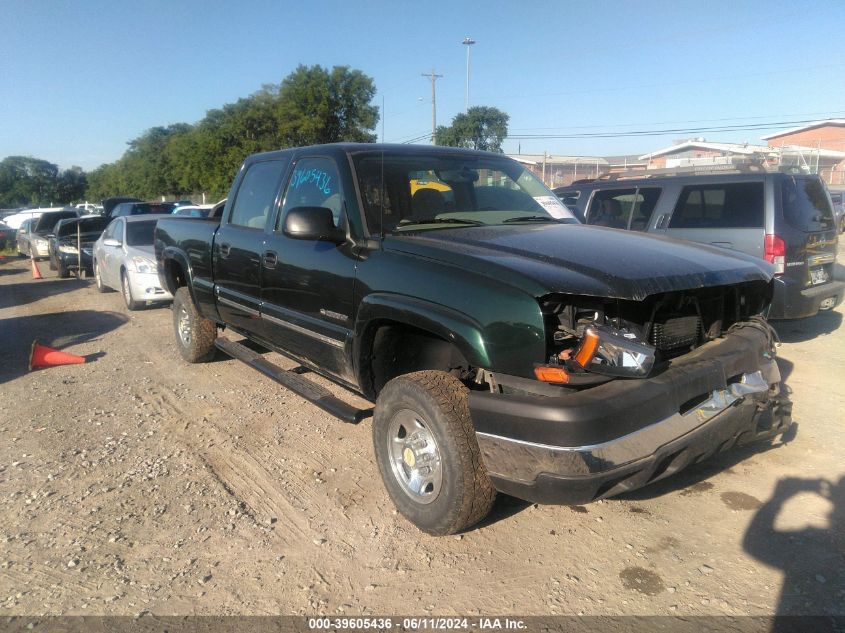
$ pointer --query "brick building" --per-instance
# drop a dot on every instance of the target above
(819, 145)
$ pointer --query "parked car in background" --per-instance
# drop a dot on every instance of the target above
(784, 218)
(36, 241)
(124, 259)
(194, 211)
(141, 208)
(16, 219)
(72, 244)
(89, 208)
(22, 237)
(7, 235)
(110, 203)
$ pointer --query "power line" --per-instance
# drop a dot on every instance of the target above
(826, 114)
(690, 130)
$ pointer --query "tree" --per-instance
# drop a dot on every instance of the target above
(318, 106)
(311, 105)
(481, 127)
(25, 180)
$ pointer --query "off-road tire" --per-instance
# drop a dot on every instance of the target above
(126, 291)
(466, 492)
(199, 346)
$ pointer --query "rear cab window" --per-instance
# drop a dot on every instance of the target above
(724, 205)
(805, 204)
(256, 194)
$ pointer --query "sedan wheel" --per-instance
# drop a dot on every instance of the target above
(131, 304)
(98, 279)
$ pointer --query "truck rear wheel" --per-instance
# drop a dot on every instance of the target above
(194, 333)
(427, 453)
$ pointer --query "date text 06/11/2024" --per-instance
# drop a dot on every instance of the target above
(416, 624)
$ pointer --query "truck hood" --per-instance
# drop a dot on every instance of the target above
(583, 260)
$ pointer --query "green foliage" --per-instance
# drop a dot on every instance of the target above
(27, 181)
(312, 105)
(481, 127)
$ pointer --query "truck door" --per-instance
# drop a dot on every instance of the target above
(239, 242)
(307, 286)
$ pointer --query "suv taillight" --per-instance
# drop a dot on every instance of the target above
(775, 253)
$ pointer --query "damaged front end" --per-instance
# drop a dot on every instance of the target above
(590, 340)
(632, 391)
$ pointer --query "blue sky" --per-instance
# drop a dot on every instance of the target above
(80, 79)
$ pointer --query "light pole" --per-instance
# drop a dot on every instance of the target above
(468, 41)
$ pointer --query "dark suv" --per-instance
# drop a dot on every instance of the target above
(787, 219)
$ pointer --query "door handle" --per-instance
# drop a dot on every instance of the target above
(269, 259)
(661, 223)
(224, 250)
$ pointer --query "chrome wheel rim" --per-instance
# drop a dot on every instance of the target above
(183, 326)
(414, 456)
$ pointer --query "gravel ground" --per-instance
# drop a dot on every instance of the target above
(138, 484)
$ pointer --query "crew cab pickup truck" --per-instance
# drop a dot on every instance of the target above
(506, 346)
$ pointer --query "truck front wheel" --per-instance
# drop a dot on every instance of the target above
(427, 453)
(194, 333)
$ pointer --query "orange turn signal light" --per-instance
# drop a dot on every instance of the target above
(551, 373)
(588, 347)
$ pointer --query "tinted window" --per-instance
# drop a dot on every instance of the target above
(256, 194)
(732, 205)
(314, 183)
(140, 233)
(805, 204)
(47, 222)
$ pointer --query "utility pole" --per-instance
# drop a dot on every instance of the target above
(433, 77)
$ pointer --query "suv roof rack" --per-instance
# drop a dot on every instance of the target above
(747, 167)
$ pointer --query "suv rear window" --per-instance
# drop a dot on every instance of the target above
(805, 204)
(732, 205)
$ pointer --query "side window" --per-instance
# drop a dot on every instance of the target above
(256, 194)
(612, 208)
(314, 183)
(644, 203)
(108, 234)
(732, 205)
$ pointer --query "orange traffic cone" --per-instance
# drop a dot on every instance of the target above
(43, 356)
(36, 274)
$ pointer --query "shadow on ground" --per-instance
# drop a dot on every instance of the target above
(812, 558)
(800, 330)
(22, 293)
(59, 330)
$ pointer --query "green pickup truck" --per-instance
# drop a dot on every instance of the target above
(506, 346)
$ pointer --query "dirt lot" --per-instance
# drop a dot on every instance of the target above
(136, 483)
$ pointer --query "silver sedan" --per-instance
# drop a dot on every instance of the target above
(124, 259)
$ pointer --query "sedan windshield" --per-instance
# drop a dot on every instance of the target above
(140, 233)
(428, 191)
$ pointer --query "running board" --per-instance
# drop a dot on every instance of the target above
(293, 381)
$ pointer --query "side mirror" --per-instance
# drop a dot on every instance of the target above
(312, 223)
(111, 242)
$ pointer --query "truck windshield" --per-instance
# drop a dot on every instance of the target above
(427, 191)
